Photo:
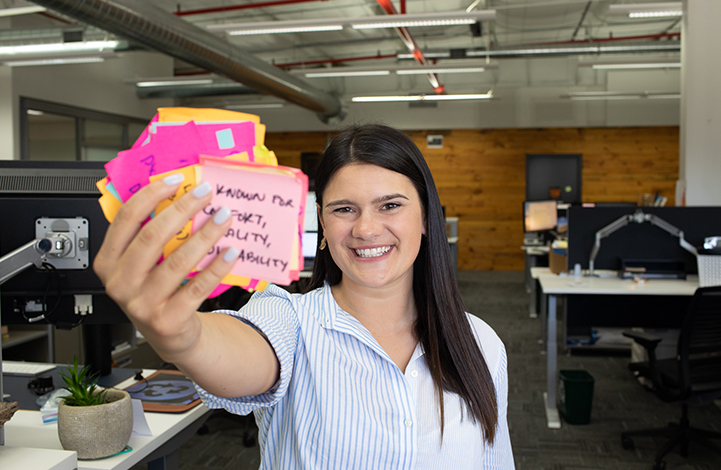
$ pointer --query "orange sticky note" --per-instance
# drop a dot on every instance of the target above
(189, 172)
(108, 203)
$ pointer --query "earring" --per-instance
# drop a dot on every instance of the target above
(322, 244)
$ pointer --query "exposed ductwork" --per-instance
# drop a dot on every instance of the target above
(139, 21)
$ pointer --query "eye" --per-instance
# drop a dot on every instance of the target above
(390, 206)
(343, 210)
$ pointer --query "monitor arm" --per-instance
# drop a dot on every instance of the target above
(638, 217)
(32, 253)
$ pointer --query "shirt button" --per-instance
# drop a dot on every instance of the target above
(414, 373)
(408, 423)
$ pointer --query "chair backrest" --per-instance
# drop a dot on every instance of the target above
(699, 343)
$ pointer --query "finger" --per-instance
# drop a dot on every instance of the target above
(201, 285)
(145, 249)
(187, 256)
(129, 220)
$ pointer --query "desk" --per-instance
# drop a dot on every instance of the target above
(36, 459)
(553, 286)
(533, 253)
(159, 451)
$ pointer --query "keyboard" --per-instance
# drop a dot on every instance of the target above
(25, 369)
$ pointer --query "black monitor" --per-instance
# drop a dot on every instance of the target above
(554, 176)
(37, 197)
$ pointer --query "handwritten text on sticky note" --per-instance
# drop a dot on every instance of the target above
(265, 210)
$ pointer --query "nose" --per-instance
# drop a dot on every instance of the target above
(367, 226)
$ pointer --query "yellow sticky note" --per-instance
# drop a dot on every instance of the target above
(180, 114)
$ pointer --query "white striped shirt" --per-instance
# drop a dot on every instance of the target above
(342, 403)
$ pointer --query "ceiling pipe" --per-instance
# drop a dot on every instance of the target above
(411, 44)
(152, 27)
(203, 11)
(611, 39)
(337, 60)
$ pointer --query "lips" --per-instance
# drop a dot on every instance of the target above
(372, 252)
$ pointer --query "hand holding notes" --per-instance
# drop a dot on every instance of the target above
(223, 148)
(148, 292)
(197, 205)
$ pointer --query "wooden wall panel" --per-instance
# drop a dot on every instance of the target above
(481, 176)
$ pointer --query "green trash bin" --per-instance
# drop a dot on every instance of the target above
(575, 396)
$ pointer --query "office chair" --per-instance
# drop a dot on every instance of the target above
(692, 377)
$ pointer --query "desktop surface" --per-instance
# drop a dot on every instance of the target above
(169, 430)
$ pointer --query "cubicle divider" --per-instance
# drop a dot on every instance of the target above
(638, 241)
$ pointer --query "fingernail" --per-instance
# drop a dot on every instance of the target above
(201, 190)
(231, 254)
(175, 178)
(221, 216)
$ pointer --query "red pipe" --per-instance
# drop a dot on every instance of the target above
(412, 46)
(53, 17)
(403, 7)
(335, 61)
(623, 38)
(240, 7)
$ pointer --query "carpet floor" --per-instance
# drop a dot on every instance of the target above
(619, 402)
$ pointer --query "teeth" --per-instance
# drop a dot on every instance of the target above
(373, 252)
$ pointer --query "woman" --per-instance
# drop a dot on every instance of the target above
(377, 366)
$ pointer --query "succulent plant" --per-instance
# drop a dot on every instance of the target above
(83, 388)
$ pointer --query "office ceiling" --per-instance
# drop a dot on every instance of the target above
(527, 30)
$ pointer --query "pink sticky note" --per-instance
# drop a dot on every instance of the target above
(170, 148)
(145, 136)
(227, 138)
(265, 209)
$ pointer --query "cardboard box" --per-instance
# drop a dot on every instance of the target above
(557, 260)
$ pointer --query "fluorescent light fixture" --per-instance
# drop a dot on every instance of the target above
(424, 19)
(652, 64)
(35, 112)
(424, 70)
(647, 10)
(286, 29)
(59, 47)
(255, 106)
(468, 67)
(152, 83)
(637, 66)
(613, 95)
(48, 61)
(21, 11)
(406, 98)
(337, 24)
(347, 73)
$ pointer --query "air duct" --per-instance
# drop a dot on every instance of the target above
(152, 27)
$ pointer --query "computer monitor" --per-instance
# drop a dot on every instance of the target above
(310, 223)
(539, 216)
(554, 176)
(36, 198)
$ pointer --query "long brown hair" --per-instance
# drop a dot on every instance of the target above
(451, 351)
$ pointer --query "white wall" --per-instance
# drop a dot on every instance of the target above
(98, 86)
(700, 162)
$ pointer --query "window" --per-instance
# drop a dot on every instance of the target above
(52, 131)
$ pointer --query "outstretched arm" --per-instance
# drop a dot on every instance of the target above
(220, 353)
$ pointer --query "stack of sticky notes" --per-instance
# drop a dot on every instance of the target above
(227, 149)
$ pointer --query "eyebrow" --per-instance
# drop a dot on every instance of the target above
(388, 197)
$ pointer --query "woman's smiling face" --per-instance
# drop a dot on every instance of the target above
(373, 220)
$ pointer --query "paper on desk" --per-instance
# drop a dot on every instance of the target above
(140, 424)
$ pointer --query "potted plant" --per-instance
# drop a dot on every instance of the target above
(92, 421)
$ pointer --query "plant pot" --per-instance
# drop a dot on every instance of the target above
(96, 431)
